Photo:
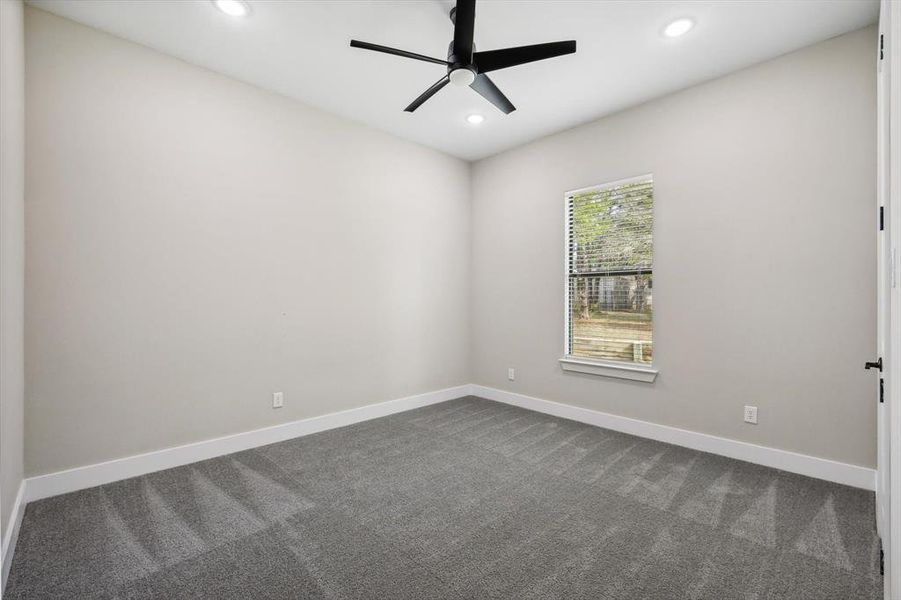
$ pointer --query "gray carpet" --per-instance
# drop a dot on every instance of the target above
(465, 499)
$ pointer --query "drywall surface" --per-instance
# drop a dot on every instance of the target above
(12, 254)
(195, 244)
(764, 254)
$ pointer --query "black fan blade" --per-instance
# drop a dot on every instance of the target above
(486, 88)
(428, 93)
(396, 52)
(464, 24)
(492, 60)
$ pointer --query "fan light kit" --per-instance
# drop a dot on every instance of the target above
(233, 8)
(466, 67)
(462, 77)
(678, 27)
(475, 119)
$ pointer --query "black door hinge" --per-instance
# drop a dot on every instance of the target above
(881, 390)
(881, 218)
(881, 46)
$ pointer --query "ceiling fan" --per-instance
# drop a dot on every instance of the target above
(465, 66)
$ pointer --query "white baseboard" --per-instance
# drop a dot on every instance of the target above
(803, 464)
(53, 484)
(11, 535)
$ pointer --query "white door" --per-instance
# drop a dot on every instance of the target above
(884, 287)
(888, 456)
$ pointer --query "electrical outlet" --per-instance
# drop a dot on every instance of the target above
(751, 415)
(278, 399)
(511, 374)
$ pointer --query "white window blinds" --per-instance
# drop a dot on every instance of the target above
(610, 272)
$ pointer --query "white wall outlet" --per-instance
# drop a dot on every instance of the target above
(751, 414)
(278, 399)
(511, 374)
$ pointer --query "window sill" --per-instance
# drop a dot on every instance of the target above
(609, 369)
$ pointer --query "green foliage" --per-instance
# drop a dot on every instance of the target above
(612, 229)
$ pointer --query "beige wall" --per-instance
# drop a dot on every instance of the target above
(195, 244)
(764, 280)
(12, 253)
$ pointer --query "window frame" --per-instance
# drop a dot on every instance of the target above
(606, 368)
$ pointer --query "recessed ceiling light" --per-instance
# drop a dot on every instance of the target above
(233, 8)
(474, 119)
(678, 27)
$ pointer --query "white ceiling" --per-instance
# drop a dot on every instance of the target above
(300, 49)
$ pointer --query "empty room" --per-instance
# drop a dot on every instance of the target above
(450, 299)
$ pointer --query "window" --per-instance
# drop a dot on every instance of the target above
(609, 286)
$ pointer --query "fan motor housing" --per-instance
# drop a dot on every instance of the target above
(455, 62)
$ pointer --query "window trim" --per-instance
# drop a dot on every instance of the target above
(620, 370)
(624, 370)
